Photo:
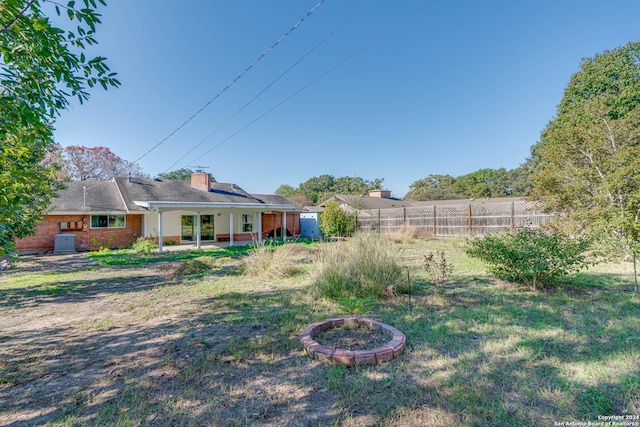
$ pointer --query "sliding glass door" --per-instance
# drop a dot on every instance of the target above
(189, 229)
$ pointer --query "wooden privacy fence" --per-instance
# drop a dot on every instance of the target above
(479, 218)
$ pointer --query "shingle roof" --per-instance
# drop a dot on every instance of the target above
(169, 190)
(274, 199)
(121, 195)
(367, 202)
(100, 197)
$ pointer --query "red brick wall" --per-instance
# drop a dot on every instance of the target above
(42, 241)
(271, 222)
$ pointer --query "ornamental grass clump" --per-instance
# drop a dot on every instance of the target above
(272, 262)
(365, 266)
(530, 256)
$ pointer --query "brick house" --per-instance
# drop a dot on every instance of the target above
(115, 213)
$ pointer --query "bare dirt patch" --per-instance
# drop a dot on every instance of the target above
(82, 343)
(358, 337)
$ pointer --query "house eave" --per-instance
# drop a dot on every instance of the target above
(155, 205)
(92, 212)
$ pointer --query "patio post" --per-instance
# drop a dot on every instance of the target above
(259, 226)
(230, 228)
(198, 230)
(284, 226)
(159, 231)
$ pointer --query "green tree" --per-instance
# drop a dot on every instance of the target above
(336, 222)
(586, 162)
(482, 183)
(433, 187)
(519, 180)
(183, 174)
(355, 185)
(42, 67)
(285, 190)
(320, 188)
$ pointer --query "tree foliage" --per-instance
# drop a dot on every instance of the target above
(320, 188)
(285, 190)
(42, 67)
(183, 174)
(96, 163)
(336, 222)
(586, 162)
(479, 184)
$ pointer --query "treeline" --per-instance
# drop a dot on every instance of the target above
(479, 184)
(319, 188)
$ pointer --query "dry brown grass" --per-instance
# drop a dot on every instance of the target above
(405, 235)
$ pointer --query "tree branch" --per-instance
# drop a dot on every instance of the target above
(13, 21)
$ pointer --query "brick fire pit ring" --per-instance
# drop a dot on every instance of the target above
(356, 357)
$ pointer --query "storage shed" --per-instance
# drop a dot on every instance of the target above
(310, 224)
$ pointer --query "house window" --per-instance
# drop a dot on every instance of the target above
(107, 221)
(247, 223)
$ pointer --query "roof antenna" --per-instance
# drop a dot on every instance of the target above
(199, 168)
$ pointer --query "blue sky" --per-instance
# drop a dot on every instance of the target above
(461, 86)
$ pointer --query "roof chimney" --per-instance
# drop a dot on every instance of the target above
(382, 194)
(201, 181)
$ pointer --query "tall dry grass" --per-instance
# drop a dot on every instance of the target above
(272, 262)
(405, 235)
(365, 266)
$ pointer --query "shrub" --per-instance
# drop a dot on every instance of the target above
(271, 262)
(365, 266)
(144, 245)
(438, 269)
(530, 256)
(336, 222)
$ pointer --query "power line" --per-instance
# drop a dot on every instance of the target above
(238, 77)
(339, 64)
(331, 33)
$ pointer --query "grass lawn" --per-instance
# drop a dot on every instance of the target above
(113, 339)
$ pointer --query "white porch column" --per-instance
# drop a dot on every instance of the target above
(284, 226)
(259, 227)
(159, 231)
(230, 228)
(198, 230)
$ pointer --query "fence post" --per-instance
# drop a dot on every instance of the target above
(470, 226)
(404, 217)
(512, 223)
(434, 220)
(379, 223)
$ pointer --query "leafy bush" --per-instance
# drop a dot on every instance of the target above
(144, 245)
(336, 222)
(365, 266)
(272, 262)
(529, 255)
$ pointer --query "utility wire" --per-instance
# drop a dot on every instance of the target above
(265, 53)
(331, 33)
(357, 52)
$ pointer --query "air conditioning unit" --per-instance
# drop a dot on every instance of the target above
(64, 243)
